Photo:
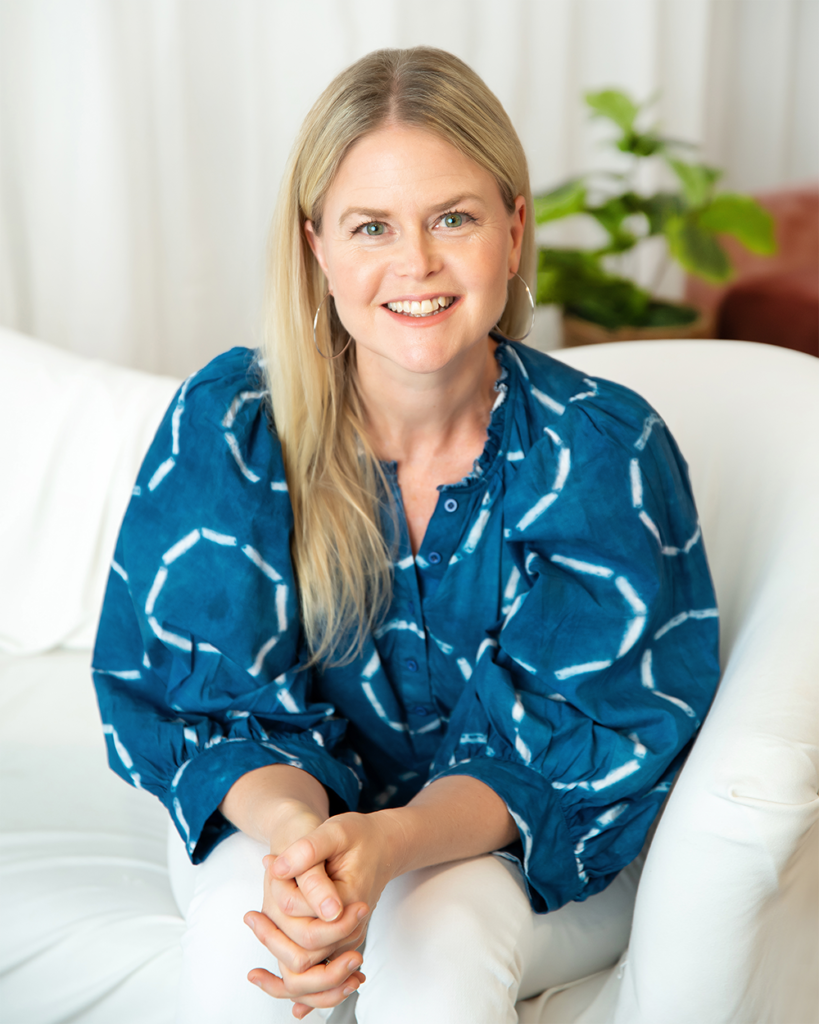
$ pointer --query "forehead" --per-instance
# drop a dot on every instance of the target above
(401, 164)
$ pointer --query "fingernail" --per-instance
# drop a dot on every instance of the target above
(282, 866)
(250, 923)
(330, 909)
(348, 991)
(361, 913)
(352, 965)
(255, 981)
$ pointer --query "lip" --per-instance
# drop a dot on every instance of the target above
(422, 321)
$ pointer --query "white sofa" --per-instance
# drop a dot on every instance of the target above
(726, 926)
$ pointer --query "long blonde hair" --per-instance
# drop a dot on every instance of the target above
(337, 488)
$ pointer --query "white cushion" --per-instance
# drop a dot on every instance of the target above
(90, 930)
(75, 433)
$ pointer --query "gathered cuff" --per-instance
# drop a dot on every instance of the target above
(202, 783)
(544, 849)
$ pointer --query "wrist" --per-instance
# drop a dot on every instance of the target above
(398, 834)
(265, 800)
(290, 820)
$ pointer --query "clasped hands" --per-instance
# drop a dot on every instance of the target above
(319, 893)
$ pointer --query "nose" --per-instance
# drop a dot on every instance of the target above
(418, 256)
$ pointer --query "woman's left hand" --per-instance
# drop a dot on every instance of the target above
(360, 855)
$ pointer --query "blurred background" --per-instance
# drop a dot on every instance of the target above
(142, 141)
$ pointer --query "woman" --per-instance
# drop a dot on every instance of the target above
(402, 595)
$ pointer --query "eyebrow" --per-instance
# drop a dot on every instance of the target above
(373, 214)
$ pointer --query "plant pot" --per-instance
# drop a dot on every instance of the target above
(584, 332)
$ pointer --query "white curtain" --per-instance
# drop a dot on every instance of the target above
(142, 141)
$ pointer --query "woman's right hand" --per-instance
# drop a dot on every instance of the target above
(278, 805)
(304, 924)
(320, 972)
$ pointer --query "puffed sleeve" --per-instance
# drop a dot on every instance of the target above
(588, 690)
(199, 660)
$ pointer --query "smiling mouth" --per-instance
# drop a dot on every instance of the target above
(426, 307)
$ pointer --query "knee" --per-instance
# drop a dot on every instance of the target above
(230, 881)
(471, 911)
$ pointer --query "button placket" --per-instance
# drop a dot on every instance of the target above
(410, 651)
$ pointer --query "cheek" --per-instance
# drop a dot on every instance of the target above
(353, 282)
(488, 264)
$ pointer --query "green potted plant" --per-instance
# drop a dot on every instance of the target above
(600, 304)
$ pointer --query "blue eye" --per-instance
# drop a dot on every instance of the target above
(453, 220)
(373, 228)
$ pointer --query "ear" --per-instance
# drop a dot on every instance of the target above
(518, 223)
(315, 243)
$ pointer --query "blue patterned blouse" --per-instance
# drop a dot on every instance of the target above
(555, 637)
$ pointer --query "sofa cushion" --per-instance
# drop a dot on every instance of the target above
(90, 931)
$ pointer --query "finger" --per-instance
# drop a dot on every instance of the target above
(315, 848)
(318, 890)
(320, 987)
(323, 978)
(326, 999)
(320, 893)
(304, 941)
(285, 894)
(289, 953)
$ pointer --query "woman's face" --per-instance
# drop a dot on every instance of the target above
(410, 220)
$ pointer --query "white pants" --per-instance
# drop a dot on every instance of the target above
(454, 944)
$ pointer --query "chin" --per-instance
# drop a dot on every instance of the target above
(426, 359)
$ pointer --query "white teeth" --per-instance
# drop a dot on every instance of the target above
(426, 307)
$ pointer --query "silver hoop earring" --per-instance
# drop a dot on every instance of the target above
(532, 304)
(315, 324)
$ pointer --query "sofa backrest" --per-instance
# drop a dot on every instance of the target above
(75, 431)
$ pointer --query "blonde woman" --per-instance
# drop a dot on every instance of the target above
(418, 615)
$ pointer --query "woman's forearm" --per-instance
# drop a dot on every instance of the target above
(276, 804)
(450, 819)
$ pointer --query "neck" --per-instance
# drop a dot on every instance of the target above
(411, 413)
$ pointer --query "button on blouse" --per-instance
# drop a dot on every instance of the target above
(563, 651)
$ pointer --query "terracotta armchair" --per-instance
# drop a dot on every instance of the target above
(773, 299)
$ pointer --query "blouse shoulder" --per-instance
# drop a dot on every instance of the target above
(217, 428)
(560, 395)
(598, 453)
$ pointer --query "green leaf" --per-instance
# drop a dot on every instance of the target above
(549, 288)
(616, 106)
(577, 280)
(560, 202)
(614, 302)
(742, 217)
(659, 209)
(574, 261)
(697, 180)
(696, 249)
(610, 215)
(668, 314)
(640, 143)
